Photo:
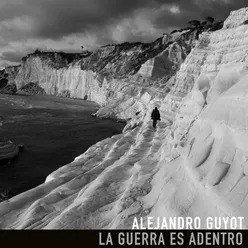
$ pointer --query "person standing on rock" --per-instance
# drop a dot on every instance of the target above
(155, 116)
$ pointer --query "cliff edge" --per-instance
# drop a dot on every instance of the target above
(194, 164)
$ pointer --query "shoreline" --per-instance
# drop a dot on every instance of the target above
(105, 132)
(93, 114)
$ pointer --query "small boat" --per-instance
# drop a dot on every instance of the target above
(8, 150)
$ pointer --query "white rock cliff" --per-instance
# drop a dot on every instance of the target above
(194, 164)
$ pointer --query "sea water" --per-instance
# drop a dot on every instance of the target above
(53, 130)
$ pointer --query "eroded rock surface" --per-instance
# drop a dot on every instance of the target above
(193, 164)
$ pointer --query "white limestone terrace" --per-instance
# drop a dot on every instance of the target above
(194, 164)
(236, 18)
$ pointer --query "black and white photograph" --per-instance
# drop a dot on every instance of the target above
(125, 115)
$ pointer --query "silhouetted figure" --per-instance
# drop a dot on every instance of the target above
(155, 116)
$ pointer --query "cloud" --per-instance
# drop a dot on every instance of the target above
(57, 18)
(14, 56)
(139, 24)
(174, 9)
(66, 25)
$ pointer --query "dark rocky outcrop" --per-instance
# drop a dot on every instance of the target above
(3, 78)
(9, 89)
(31, 89)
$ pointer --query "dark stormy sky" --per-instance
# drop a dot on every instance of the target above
(68, 24)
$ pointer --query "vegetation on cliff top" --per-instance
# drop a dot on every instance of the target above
(58, 60)
(208, 24)
(121, 60)
(125, 59)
